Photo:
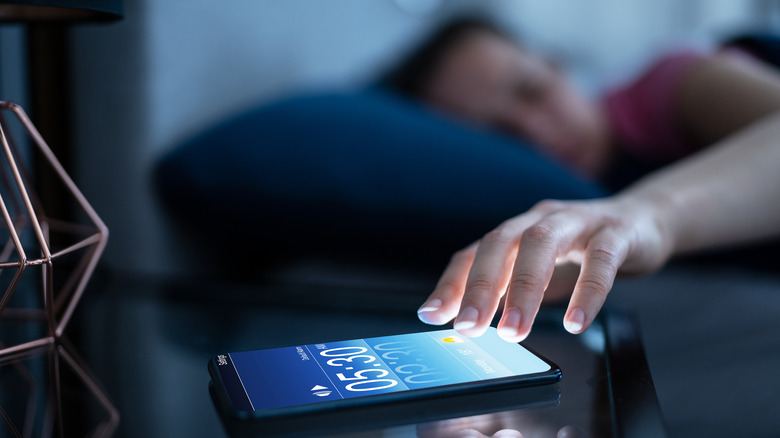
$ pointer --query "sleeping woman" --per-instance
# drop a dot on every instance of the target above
(472, 70)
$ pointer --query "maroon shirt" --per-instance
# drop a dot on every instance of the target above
(642, 114)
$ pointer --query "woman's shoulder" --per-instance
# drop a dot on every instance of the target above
(642, 112)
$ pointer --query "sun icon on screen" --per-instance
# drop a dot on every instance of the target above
(452, 340)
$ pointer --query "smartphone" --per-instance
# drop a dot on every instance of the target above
(374, 376)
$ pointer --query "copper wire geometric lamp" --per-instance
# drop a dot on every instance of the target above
(45, 262)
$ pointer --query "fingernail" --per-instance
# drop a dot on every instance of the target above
(430, 306)
(425, 313)
(467, 319)
(506, 433)
(575, 321)
(510, 327)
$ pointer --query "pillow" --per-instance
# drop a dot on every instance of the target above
(365, 168)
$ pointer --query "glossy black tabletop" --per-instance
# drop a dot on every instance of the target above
(135, 364)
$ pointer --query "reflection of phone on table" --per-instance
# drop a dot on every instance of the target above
(364, 380)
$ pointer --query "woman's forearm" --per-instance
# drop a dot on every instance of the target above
(726, 194)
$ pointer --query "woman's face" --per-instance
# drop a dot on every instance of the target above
(490, 81)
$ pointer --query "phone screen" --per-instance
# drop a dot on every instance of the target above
(305, 374)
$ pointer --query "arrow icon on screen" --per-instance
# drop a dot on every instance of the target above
(320, 391)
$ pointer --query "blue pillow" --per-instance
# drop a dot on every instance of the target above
(365, 167)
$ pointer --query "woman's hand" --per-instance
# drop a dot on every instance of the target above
(722, 195)
(519, 257)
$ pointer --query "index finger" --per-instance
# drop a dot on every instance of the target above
(443, 303)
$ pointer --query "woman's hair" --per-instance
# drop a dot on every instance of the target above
(412, 75)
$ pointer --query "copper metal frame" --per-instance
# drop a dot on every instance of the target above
(57, 306)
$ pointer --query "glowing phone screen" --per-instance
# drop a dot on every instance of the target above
(288, 376)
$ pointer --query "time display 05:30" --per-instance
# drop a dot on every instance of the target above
(386, 365)
(392, 363)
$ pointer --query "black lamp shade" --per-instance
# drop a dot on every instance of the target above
(26, 11)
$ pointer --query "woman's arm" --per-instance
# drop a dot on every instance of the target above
(726, 194)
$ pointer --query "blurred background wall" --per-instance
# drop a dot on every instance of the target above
(171, 69)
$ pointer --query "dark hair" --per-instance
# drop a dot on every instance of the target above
(412, 74)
